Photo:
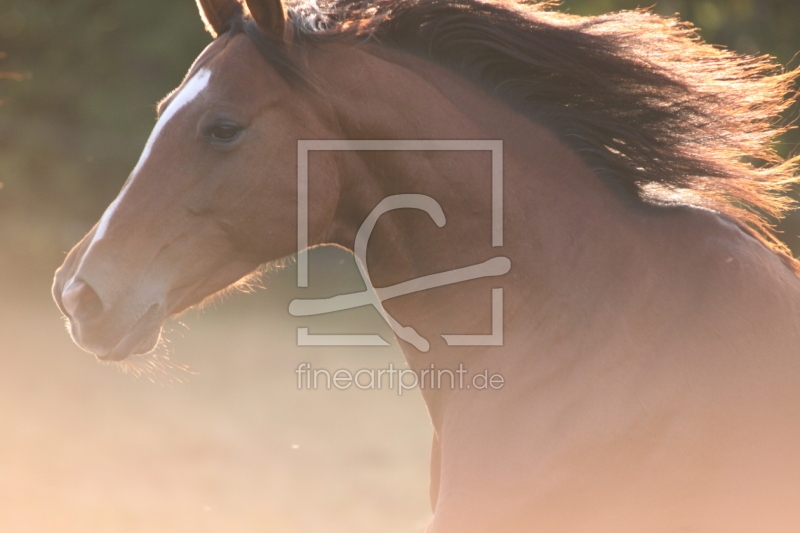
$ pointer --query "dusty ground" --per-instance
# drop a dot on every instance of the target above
(237, 447)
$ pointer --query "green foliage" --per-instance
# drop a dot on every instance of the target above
(71, 130)
(747, 26)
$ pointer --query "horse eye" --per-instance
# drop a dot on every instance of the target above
(223, 132)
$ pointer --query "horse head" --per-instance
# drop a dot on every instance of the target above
(211, 197)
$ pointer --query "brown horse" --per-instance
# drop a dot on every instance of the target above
(651, 323)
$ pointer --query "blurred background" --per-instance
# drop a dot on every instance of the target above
(229, 443)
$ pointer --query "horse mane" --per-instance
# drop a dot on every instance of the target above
(640, 97)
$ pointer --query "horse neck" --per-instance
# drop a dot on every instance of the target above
(559, 218)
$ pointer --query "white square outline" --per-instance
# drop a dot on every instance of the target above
(305, 146)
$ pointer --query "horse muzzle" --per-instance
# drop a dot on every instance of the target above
(111, 333)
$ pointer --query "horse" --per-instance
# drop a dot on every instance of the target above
(648, 350)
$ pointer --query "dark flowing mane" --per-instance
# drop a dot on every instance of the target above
(640, 97)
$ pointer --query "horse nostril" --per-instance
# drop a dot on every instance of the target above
(80, 301)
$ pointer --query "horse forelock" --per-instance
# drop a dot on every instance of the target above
(640, 97)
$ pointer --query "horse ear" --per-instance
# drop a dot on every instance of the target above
(217, 13)
(269, 15)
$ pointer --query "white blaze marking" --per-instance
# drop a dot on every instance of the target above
(185, 95)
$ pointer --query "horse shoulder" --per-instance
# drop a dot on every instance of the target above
(735, 303)
(740, 267)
